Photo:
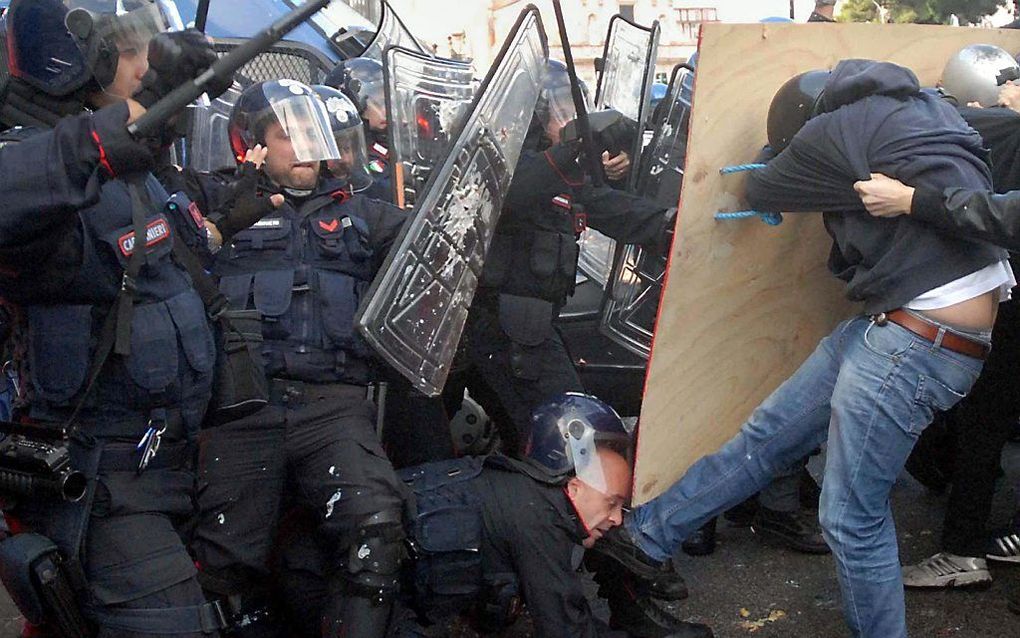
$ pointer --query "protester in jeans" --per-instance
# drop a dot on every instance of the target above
(874, 383)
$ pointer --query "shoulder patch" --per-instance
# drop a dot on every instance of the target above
(156, 232)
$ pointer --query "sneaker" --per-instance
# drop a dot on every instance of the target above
(795, 530)
(660, 579)
(947, 570)
(1005, 549)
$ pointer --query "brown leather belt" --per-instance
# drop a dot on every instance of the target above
(930, 331)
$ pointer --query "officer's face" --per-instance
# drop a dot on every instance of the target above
(602, 511)
(132, 63)
(282, 165)
(375, 115)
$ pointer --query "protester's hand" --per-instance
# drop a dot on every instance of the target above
(884, 196)
(249, 205)
(1009, 96)
(616, 167)
(175, 58)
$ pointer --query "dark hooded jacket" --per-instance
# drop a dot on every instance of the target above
(875, 119)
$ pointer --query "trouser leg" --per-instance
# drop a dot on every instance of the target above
(981, 424)
(242, 475)
(788, 425)
(343, 475)
(890, 384)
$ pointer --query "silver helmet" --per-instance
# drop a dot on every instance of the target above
(976, 73)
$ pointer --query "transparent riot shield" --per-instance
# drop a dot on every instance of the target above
(631, 303)
(427, 99)
(206, 147)
(624, 85)
(415, 309)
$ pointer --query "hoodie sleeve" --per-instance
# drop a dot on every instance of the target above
(808, 176)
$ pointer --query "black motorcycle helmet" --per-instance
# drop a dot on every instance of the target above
(793, 105)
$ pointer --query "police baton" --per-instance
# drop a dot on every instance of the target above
(202, 14)
(225, 67)
(583, 125)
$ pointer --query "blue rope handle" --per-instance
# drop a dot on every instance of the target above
(772, 219)
(739, 168)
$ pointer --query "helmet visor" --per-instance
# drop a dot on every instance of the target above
(352, 165)
(305, 124)
(126, 25)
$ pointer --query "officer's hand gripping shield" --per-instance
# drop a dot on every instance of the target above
(631, 303)
(415, 310)
(625, 86)
(427, 100)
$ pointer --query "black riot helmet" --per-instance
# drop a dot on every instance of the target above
(793, 105)
(59, 47)
(345, 123)
(361, 80)
(555, 106)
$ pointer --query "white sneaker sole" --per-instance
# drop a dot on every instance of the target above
(1004, 559)
(963, 579)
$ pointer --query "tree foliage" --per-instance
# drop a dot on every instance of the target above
(920, 11)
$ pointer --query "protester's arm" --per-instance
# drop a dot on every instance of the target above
(974, 213)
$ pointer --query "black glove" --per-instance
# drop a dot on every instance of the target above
(564, 160)
(246, 205)
(175, 58)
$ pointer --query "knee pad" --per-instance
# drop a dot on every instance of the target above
(371, 568)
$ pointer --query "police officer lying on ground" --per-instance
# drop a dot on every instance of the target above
(493, 532)
(113, 342)
(860, 388)
(304, 267)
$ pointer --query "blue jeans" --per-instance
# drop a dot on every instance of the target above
(869, 390)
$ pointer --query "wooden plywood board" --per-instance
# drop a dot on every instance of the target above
(746, 303)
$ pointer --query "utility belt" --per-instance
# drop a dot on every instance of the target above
(288, 392)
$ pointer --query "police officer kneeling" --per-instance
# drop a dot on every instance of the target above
(113, 349)
(491, 533)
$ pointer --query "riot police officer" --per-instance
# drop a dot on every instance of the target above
(113, 347)
(303, 267)
(361, 80)
(514, 357)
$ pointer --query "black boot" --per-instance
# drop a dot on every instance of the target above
(796, 530)
(641, 615)
(742, 514)
(701, 542)
(659, 578)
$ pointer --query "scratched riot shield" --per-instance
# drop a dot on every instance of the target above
(624, 85)
(631, 303)
(427, 99)
(415, 309)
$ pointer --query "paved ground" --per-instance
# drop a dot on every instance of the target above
(749, 589)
